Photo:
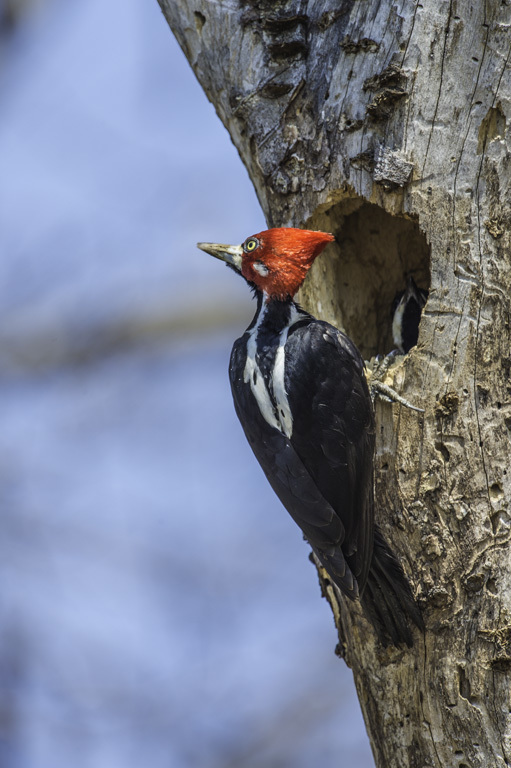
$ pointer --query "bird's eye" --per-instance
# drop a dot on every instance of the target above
(251, 244)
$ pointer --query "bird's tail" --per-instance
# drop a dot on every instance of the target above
(387, 598)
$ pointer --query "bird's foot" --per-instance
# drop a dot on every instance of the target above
(382, 364)
(379, 368)
(379, 389)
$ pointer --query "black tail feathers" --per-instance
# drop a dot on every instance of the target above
(387, 599)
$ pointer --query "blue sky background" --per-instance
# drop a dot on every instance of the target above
(157, 604)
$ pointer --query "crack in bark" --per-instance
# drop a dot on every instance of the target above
(440, 86)
(425, 688)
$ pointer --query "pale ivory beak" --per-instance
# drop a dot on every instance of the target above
(231, 254)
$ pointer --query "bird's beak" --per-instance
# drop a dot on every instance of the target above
(231, 254)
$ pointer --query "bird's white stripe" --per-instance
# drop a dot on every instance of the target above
(282, 420)
(253, 376)
(279, 390)
(397, 324)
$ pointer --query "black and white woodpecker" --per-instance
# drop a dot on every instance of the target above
(407, 309)
(301, 396)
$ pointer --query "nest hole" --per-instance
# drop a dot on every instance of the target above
(366, 268)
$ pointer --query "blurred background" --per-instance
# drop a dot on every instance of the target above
(157, 605)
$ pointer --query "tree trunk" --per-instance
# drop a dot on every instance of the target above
(386, 124)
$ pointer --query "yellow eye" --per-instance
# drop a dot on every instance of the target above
(251, 244)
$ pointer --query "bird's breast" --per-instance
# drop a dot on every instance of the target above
(265, 368)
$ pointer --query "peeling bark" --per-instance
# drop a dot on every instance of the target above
(387, 125)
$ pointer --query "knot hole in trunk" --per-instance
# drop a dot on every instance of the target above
(367, 268)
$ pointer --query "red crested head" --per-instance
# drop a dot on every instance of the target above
(277, 261)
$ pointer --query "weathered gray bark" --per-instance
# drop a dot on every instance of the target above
(386, 124)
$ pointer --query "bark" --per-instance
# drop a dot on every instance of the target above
(386, 124)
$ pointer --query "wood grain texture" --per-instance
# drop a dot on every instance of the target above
(388, 124)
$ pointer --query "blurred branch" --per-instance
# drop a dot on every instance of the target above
(87, 342)
(12, 13)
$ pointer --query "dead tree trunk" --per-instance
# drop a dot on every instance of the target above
(386, 124)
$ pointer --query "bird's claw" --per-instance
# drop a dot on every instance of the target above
(382, 364)
(378, 388)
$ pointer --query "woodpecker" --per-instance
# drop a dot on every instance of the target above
(407, 308)
(302, 398)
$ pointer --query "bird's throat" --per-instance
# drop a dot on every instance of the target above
(265, 367)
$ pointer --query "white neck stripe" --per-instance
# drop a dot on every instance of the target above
(280, 417)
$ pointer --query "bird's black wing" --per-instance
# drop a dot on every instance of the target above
(333, 431)
(294, 483)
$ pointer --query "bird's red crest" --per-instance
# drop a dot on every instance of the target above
(277, 260)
